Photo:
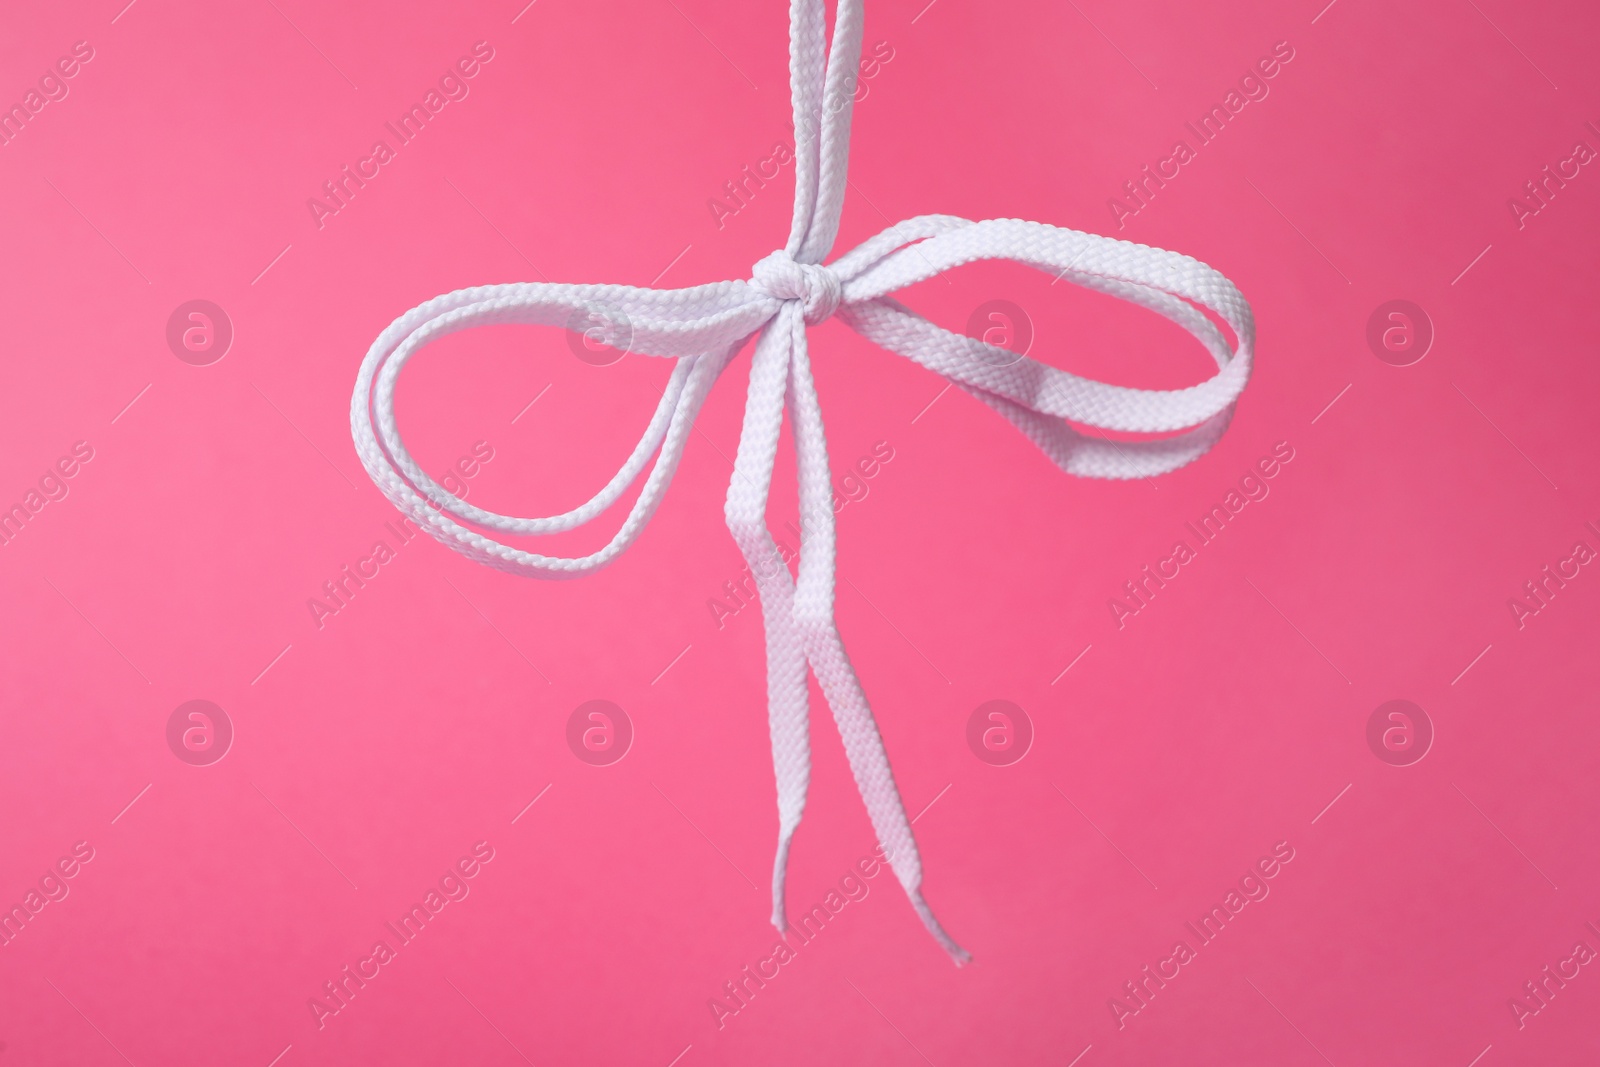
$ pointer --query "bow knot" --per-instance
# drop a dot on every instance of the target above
(815, 286)
(702, 328)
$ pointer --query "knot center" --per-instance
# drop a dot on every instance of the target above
(815, 286)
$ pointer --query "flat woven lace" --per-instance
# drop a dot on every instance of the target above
(704, 326)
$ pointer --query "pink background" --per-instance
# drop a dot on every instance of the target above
(1225, 717)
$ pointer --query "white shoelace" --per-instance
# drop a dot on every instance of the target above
(704, 326)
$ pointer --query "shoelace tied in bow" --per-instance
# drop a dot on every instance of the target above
(704, 326)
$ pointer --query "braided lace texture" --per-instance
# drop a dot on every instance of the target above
(704, 326)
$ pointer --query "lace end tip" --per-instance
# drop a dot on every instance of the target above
(780, 867)
(958, 955)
